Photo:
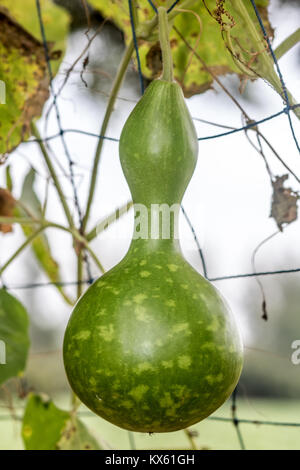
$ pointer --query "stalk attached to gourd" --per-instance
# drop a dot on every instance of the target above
(152, 346)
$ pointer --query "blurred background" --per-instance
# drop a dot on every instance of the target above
(228, 202)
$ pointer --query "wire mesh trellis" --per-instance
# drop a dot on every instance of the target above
(235, 420)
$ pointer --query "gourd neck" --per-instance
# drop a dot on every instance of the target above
(156, 227)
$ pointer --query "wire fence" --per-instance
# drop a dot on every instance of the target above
(287, 108)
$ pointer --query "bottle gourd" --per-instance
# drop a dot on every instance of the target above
(152, 346)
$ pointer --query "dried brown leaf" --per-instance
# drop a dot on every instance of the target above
(7, 205)
(284, 202)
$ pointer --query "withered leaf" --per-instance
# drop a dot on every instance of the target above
(284, 202)
(7, 205)
(195, 39)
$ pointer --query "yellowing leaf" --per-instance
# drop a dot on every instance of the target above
(76, 436)
(46, 427)
(7, 205)
(40, 244)
(43, 424)
(56, 22)
(188, 30)
(23, 69)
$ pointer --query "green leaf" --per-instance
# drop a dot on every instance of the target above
(56, 22)
(76, 436)
(9, 181)
(23, 67)
(188, 69)
(14, 339)
(43, 424)
(46, 427)
(40, 244)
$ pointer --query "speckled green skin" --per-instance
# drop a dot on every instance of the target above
(152, 346)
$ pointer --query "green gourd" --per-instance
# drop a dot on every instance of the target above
(152, 346)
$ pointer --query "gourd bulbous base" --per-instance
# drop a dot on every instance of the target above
(151, 346)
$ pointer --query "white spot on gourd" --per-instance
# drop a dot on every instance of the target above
(141, 314)
(214, 324)
(107, 332)
(170, 303)
(82, 335)
(167, 364)
(184, 362)
(145, 274)
(173, 267)
(138, 392)
(139, 298)
(181, 328)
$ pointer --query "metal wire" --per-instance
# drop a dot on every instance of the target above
(285, 94)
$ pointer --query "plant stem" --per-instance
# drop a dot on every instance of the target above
(81, 239)
(21, 248)
(61, 195)
(79, 273)
(164, 38)
(145, 29)
(94, 257)
(191, 439)
(18, 220)
(287, 44)
(110, 105)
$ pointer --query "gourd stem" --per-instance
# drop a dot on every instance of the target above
(164, 39)
(79, 273)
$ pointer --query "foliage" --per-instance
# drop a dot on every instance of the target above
(208, 39)
(7, 205)
(61, 430)
(23, 65)
(14, 325)
(40, 244)
(200, 32)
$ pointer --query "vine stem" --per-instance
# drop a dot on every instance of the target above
(109, 109)
(21, 248)
(53, 174)
(164, 38)
(79, 273)
(44, 225)
(191, 439)
(145, 29)
(18, 220)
